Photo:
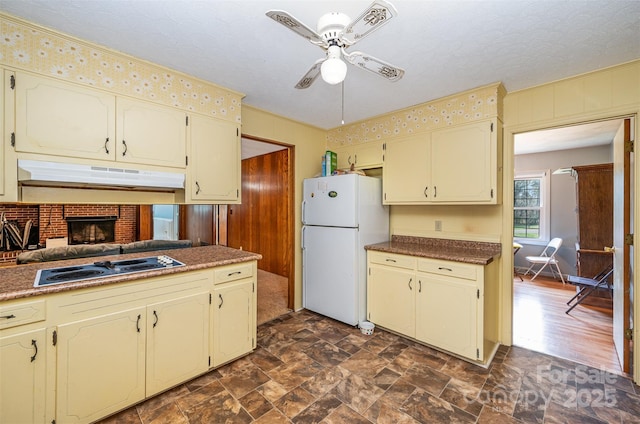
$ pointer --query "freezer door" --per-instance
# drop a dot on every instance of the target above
(330, 281)
(330, 201)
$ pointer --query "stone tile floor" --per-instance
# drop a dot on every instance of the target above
(311, 369)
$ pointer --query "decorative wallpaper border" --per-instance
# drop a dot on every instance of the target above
(473, 105)
(33, 48)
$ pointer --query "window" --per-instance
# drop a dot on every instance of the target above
(531, 206)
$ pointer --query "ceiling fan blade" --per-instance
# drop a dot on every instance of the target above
(375, 65)
(310, 76)
(295, 25)
(375, 16)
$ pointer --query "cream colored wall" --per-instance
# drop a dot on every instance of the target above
(309, 145)
(607, 93)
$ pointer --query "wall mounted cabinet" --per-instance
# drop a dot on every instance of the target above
(361, 156)
(213, 171)
(456, 165)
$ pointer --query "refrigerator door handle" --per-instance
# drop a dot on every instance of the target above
(304, 202)
(302, 238)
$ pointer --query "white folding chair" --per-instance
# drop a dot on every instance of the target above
(546, 258)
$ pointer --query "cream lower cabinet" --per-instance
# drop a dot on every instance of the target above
(234, 312)
(22, 377)
(100, 365)
(453, 165)
(177, 341)
(213, 172)
(440, 303)
(361, 156)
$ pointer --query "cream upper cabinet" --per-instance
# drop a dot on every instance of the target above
(406, 177)
(62, 119)
(101, 365)
(464, 163)
(454, 165)
(362, 156)
(213, 172)
(23, 371)
(177, 341)
(150, 134)
(234, 312)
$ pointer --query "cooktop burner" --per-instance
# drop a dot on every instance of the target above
(100, 269)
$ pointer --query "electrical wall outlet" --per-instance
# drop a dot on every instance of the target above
(438, 225)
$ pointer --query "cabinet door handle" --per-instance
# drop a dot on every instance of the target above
(197, 188)
(156, 321)
(8, 316)
(419, 286)
(106, 146)
(221, 301)
(35, 346)
(410, 280)
(124, 143)
(435, 191)
(425, 191)
(138, 323)
(349, 160)
(441, 268)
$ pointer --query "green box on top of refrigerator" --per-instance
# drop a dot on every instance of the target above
(331, 162)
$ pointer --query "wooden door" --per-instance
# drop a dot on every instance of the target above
(263, 222)
(622, 281)
(197, 224)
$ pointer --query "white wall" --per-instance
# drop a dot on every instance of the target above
(563, 198)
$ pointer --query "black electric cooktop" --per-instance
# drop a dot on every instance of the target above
(101, 269)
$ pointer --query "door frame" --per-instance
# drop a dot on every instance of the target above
(506, 310)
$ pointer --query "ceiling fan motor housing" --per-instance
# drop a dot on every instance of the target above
(331, 25)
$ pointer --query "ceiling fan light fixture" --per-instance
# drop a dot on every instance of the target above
(333, 70)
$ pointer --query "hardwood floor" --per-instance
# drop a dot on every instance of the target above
(541, 324)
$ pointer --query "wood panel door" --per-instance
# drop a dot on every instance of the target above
(263, 222)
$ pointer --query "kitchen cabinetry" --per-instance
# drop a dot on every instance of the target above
(362, 156)
(234, 316)
(177, 341)
(22, 362)
(61, 119)
(57, 118)
(437, 302)
(455, 165)
(213, 172)
(150, 134)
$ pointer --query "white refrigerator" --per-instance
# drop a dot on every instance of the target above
(340, 215)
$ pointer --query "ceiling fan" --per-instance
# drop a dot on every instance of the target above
(335, 33)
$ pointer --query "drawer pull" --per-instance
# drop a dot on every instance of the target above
(441, 268)
(390, 260)
(232, 273)
(8, 316)
(35, 346)
(410, 280)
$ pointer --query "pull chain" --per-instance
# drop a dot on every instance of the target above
(342, 102)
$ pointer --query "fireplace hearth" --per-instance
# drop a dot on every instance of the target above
(91, 229)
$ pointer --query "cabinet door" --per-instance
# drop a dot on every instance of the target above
(22, 386)
(213, 174)
(369, 155)
(463, 163)
(406, 175)
(233, 320)
(177, 341)
(346, 156)
(101, 365)
(391, 299)
(150, 134)
(447, 315)
(62, 119)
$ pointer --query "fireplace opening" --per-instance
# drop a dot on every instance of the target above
(91, 229)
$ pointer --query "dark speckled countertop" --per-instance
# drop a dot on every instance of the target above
(473, 252)
(17, 281)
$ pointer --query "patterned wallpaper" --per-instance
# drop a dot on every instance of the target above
(33, 48)
(473, 105)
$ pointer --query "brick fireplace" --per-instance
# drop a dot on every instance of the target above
(52, 221)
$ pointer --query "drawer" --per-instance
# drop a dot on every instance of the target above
(21, 313)
(391, 259)
(233, 272)
(451, 269)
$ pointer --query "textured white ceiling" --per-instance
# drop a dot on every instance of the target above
(444, 46)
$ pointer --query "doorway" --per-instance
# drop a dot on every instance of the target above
(553, 154)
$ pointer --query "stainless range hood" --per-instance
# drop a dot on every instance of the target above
(33, 172)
